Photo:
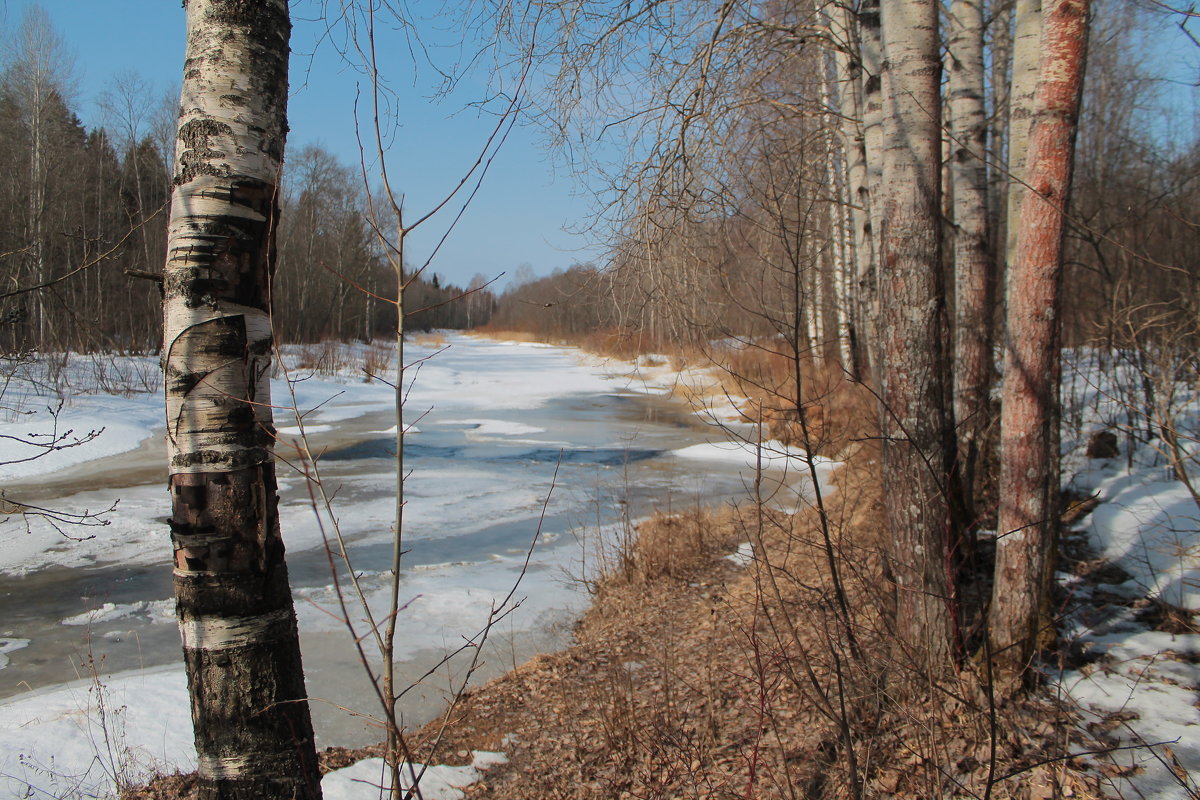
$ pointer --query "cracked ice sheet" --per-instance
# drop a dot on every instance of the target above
(134, 536)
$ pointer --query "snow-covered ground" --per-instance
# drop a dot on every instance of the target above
(488, 421)
(1145, 682)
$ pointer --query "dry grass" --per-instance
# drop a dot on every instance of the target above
(837, 411)
(666, 546)
(432, 339)
(693, 678)
(505, 335)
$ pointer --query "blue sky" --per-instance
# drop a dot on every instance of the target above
(519, 215)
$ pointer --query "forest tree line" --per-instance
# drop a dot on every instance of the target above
(768, 200)
(83, 223)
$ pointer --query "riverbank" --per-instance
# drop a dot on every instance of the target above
(715, 659)
(735, 676)
(716, 667)
(89, 655)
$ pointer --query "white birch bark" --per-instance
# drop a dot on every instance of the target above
(1000, 34)
(860, 285)
(253, 733)
(973, 278)
(915, 422)
(871, 78)
(1026, 61)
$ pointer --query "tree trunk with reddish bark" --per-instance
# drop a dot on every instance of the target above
(1029, 483)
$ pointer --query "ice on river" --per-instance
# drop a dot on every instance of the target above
(491, 427)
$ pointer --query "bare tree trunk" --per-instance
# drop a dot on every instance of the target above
(861, 284)
(1027, 54)
(871, 48)
(1032, 362)
(973, 279)
(1000, 28)
(918, 436)
(253, 734)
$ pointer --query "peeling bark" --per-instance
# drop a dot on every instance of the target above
(1029, 481)
(253, 733)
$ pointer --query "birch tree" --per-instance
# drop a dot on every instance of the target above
(1032, 365)
(870, 46)
(917, 434)
(849, 71)
(253, 733)
(972, 257)
(1026, 60)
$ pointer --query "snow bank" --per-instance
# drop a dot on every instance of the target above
(363, 781)
(124, 729)
(1148, 525)
(78, 740)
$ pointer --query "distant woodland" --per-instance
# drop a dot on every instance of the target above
(763, 214)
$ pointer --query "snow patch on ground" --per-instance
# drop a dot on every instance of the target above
(771, 455)
(1148, 525)
(744, 556)
(364, 779)
(76, 740)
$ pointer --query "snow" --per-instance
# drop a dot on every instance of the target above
(496, 427)
(126, 729)
(1148, 525)
(154, 611)
(367, 777)
(7, 645)
(41, 438)
(771, 454)
(75, 740)
(743, 556)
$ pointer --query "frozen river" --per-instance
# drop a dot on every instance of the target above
(493, 421)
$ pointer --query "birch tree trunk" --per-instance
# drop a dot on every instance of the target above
(973, 279)
(871, 48)
(917, 433)
(253, 733)
(860, 285)
(1000, 30)
(1027, 54)
(1032, 365)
